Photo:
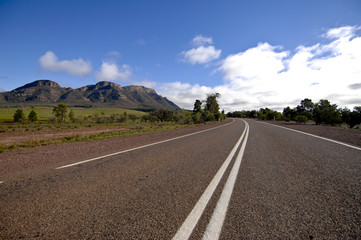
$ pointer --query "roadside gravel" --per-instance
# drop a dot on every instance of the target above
(350, 136)
(26, 160)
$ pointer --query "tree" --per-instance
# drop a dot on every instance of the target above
(346, 115)
(162, 115)
(218, 116)
(325, 113)
(273, 115)
(355, 117)
(197, 106)
(289, 114)
(305, 108)
(32, 116)
(212, 104)
(252, 114)
(307, 104)
(60, 112)
(19, 115)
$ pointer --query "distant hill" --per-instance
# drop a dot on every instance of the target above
(49, 93)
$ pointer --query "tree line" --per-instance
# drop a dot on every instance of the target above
(209, 111)
(322, 112)
(204, 111)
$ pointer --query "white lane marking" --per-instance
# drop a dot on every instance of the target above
(214, 227)
(191, 221)
(136, 148)
(312, 135)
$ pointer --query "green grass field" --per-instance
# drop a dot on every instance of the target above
(44, 113)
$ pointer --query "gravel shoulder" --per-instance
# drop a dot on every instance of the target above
(11, 138)
(28, 159)
(350, 136)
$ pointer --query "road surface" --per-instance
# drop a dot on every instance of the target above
(238, 180)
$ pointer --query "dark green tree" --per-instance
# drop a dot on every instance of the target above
(289, 114)
(197, 106)
(212, 107)
(19, 115)
(355, 117)
(32, 116)
(252, 114)
(162, 115)
(60, 112)
(305, 108)
(212, 103)
(273, 115)
(325, 113)
(264, 110)
(307, 104)
(346, 115)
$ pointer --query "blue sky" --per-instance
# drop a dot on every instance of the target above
(254, 53)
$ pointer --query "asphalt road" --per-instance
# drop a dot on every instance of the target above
(265, 182)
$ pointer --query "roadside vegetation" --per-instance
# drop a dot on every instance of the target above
(320, 113)
(60, 124)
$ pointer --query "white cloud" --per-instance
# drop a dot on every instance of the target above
(201, 41)
(184, 94)
(110, 71)
(76, 67)
(341, 32)
(114, 54)
(260, 62)
(268, 76)
(145, 83)
(201, 55)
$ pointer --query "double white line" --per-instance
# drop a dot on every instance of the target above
(214, 228)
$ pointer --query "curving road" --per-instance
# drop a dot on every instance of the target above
(238, 180)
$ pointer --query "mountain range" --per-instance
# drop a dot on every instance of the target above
(50, 93)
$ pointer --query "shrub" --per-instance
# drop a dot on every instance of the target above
(33, 116)
(71, 115)
(19, 115)
(301, 119)
(196, 117)
(60, 112)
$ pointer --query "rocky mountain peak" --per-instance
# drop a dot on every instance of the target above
(47, 92)
(39, 83)
(103, 85)
(106, 84)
